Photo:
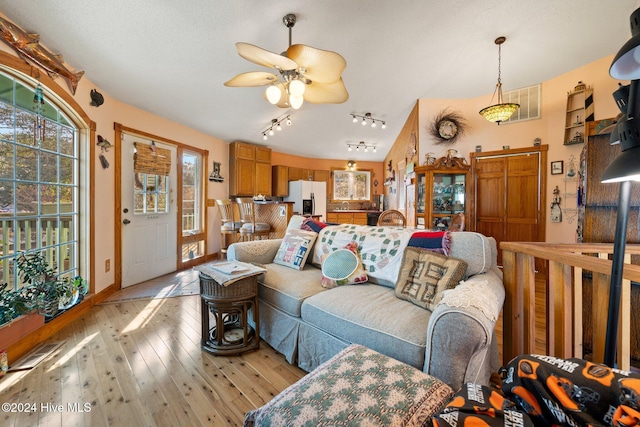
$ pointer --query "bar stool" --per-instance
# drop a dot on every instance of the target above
(250, 229)
(229, 226)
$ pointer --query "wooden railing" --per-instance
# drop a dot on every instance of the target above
(563, 299)
(25, 237)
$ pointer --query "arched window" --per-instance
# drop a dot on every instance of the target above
(39, 180)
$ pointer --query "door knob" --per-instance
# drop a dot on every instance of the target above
(126, 221)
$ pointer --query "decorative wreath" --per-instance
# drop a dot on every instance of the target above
(447, 127)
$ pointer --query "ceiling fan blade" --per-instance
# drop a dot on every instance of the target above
(326, 93)
(322, 65)
(252, 78)
(266, 58)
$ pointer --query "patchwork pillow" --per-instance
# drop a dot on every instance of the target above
(343, 267)
(294, 249)
(311, 224)
(425, 275)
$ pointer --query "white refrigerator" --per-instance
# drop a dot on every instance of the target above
(308, 197)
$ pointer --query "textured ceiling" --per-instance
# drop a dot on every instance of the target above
(171, 58)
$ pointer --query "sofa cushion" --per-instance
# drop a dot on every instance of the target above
(286, 289)
(371, 315)
(343, 267)
(295, 248)
(474, 248)
(424, 275)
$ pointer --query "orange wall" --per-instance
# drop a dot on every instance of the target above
(325, 164)
(549, 128)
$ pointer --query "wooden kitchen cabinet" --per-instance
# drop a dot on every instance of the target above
(249, 169)
(280, 181)
(359, 218)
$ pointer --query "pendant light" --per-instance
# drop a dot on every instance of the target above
(500, 111)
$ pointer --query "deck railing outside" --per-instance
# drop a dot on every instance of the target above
(53, 234)
(564, 320)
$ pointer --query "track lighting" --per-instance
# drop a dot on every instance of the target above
(362, 145)
(277, 125)
(367, 116)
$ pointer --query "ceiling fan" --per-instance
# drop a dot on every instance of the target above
(304, 73)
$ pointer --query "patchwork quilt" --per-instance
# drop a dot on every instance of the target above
(381, 248)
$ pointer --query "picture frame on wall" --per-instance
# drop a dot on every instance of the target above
(557, 167)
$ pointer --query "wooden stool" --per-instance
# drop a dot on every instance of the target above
(228, 224)
(250, 228)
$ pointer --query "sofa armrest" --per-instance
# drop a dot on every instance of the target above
(461, 345)
(258, 251)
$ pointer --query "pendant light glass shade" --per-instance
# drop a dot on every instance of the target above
(500, 111)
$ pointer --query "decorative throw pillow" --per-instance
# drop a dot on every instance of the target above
(295, 247)
(311, 224)
(435, 241)
(343, 267)
(424, 275)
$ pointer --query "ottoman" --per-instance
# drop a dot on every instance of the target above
(358, 386)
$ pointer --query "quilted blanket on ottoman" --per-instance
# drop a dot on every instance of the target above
(357, 386)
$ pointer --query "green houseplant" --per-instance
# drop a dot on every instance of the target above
(46, 287)
(12, 304)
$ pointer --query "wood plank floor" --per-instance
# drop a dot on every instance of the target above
(136, 361)
(139, 363)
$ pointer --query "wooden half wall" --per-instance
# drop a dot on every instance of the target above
(403, 152)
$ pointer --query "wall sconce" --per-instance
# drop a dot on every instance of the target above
(351, 165)
(275, 124)
(362, 145)
(367, 116)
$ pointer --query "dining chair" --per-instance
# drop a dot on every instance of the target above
(250, 228)
(392, 217)
(457, 222)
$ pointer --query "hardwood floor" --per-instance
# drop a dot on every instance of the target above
(139, 363)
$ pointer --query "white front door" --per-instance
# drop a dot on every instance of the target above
(149, 235)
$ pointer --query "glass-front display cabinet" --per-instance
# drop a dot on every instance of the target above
(441, 192)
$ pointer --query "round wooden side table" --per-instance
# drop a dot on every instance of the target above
(225, 315)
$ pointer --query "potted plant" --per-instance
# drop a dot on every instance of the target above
(12, 304)
(46, 287)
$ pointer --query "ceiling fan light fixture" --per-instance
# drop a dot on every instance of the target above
(273, 94)
(296, 88)
(296, 101)
(500, 111)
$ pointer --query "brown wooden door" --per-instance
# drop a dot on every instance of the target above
(509, 195)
